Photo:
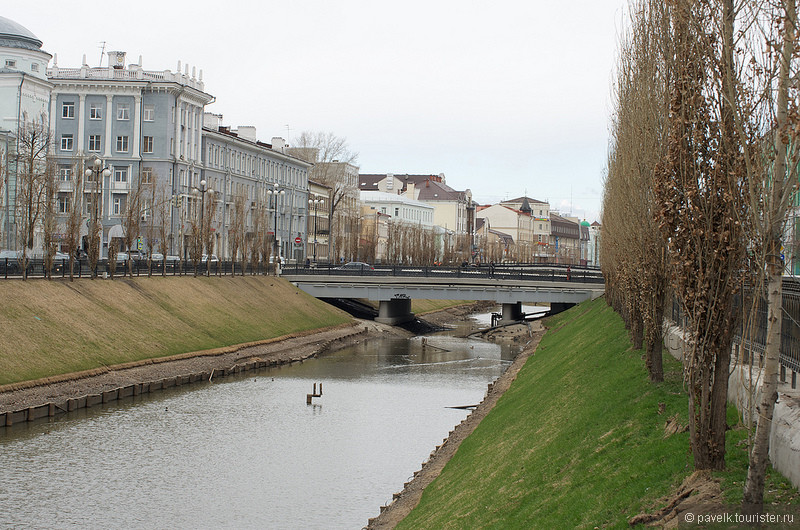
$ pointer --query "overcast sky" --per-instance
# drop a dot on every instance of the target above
(505, 98)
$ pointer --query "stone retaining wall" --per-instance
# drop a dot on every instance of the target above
(46, 410)
(784, 441)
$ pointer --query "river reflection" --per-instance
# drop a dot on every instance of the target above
(249, 452)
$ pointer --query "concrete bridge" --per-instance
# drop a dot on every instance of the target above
(395, 286)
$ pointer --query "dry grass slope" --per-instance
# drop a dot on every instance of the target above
(49, 328)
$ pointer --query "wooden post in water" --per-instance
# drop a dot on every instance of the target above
(314, 393)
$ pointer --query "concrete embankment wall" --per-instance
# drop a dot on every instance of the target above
(744, 389)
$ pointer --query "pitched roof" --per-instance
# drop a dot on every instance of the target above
(522, 199)
(431, 187)
(502, 235)
(369, 182)
(438, 191)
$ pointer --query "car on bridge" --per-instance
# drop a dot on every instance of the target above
(355, 266)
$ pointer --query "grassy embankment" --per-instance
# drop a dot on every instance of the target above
(55, 327)
(576, 441)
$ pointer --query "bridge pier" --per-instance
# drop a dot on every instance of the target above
(512, 312)
(394, 311)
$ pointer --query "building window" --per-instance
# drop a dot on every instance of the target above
(68, 110)
(116, 206)
(147, 144)
(122, 144)
(172, 146)
(94, 142)
(63, 204)
(64, 174)
(123, 112)
(95, 111)
(147, 175)
(121, 175)
(11, 63)
(66, 142)
(34, 67)
(149, 113)
(182, 177)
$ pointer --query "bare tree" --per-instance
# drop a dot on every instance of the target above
(237, 230)
(208, 222)
(49, 218)
(149, 208)
(255, 238)
(33, 173)
(332, 159)
(113, 252)
(195, 235)
(773, 176)
(162, 222)
(700, 186)
(132, 219)
(4, 160)
(74, 215)
(636, 253)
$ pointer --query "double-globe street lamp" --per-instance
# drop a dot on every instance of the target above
(274, 193)
(94, 173)
(315, 202)
(201, 191)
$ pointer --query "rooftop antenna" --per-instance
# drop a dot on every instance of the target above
(102, 51)
(570, 201)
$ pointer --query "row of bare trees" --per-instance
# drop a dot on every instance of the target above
(42, 221)
(702, 170)
(45, 216)
(392, 241)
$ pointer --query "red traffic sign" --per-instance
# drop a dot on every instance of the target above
(298, 240)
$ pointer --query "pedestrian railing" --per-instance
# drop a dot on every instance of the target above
(751, 326)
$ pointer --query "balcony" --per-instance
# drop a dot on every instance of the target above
(120, 186)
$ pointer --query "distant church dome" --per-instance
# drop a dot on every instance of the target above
(13, 35)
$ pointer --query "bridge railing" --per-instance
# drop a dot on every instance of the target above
(500, 272)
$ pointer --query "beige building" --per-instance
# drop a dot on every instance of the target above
(527, 228)
(540, 214)
(565, 240)
(319, 202)
(453, 210)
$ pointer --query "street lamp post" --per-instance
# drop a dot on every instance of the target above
(95, 173)
(274, 193)
(315, 202)
(202, 190)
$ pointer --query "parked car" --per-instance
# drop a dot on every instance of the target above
(356, 266)
(214, 258)
(9, 262)
(60, 262)
(281, 258)
(158, 260)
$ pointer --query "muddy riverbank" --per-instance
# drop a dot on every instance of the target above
(22, 398)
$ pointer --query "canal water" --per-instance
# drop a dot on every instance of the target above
(249, 452)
